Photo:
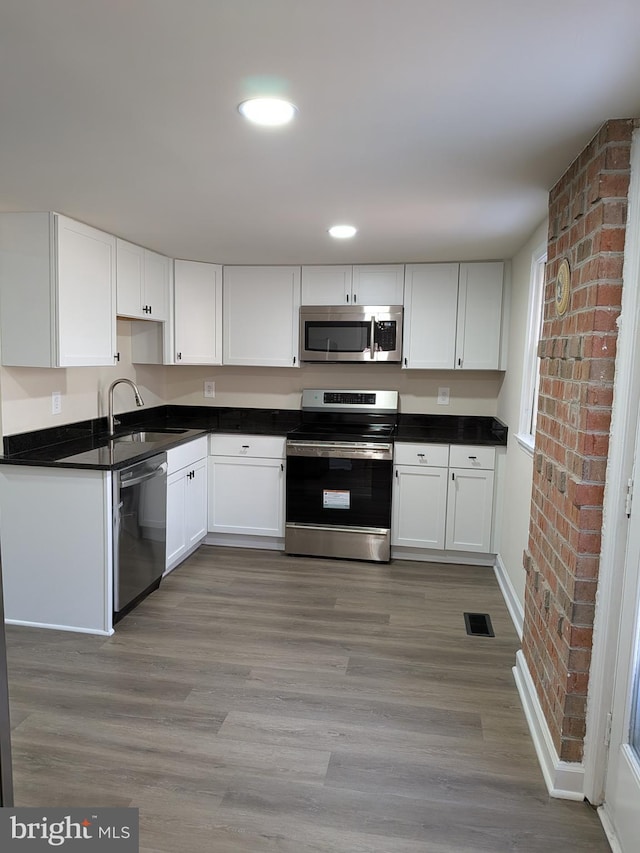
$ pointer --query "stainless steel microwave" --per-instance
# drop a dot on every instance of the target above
(366, 333)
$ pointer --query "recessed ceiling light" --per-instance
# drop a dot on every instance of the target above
(342, 232)
(267, 111)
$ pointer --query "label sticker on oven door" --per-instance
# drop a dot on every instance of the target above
(336, 499)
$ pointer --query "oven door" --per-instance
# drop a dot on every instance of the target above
(339, 499)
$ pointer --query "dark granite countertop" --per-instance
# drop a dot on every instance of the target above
(451, 429)
(86, 444)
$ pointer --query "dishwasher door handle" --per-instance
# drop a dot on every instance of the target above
(135, 481)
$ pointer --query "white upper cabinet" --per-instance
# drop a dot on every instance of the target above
(479, 330)
(378, 284)
(375, 284)
(261, 315)
(453, 316)
(143, 281)
(326, 285)
(57, 292)
(430, 311)
(198, 313)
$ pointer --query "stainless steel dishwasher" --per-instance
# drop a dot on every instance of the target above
(139, 531)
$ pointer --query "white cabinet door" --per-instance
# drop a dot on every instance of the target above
(142, 282)
(469, 510)
(479, 316)
(129, 279)
(430, 309)
(196, 503)
(176, 526)
(246, 496)
(261, 307)
(378, 284)
(374, 284)
(86, 311)
(186, 499)
(326, 285)
(157, 286)
(419, 506)
(198, 313)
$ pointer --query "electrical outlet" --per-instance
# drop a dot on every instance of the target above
(209, 388)
(56, 402)
(443, 396)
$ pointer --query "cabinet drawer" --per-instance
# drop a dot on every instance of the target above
(186, 454)
(472, 456)
(255, 446)
(434, 455)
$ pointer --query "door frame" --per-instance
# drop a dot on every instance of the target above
(626, 405)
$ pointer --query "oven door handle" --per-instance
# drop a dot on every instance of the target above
(339, 450)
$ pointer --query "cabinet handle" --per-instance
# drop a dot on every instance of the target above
(150, 309)
(179, 356)
(405, 362)
(117, 357)
(459, 362)
(347, 295)
(397, 474)
(294, 361)
(246, 446)
(281, 467)
(421, 455)
(473, 457)
(453, 476)
(355, 298)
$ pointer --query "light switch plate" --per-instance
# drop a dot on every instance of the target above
(209, 388)
(443, 396)
(56, 402)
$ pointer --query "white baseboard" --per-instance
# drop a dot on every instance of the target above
(235, 540)
(564, 779)
(511, 599)
(432, 555)
(71, 628)
(609, 831)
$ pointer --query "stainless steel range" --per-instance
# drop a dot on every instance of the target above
(339, 475)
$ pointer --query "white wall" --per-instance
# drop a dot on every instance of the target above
(261, 387)
(26, 391)
(514, 528)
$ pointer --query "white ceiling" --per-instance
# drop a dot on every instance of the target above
(435, 127)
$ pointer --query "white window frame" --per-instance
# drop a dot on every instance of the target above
(526, 434)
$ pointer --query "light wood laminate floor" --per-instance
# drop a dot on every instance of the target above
(260, 703)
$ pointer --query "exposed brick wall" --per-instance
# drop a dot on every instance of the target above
(587, 215)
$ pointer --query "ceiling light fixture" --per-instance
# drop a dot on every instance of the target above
(270, 112)
(342, 232)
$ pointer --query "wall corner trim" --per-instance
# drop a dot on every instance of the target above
(511, 599)
(564, 779)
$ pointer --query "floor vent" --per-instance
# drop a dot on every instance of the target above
(478, 624)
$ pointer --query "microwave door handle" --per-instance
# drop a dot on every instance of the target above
(373, 333)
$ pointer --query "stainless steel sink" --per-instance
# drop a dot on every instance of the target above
(148, 436)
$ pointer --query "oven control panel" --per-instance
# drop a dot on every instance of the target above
(350, 398)
(318, 400)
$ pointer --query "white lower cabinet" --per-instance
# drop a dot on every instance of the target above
(186, 500)
(443, 497)
(470, 498)
(420, 495)
(246, 486)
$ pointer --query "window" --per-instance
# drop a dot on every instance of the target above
(531, 373)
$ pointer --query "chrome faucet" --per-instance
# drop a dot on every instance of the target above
(139, 401)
